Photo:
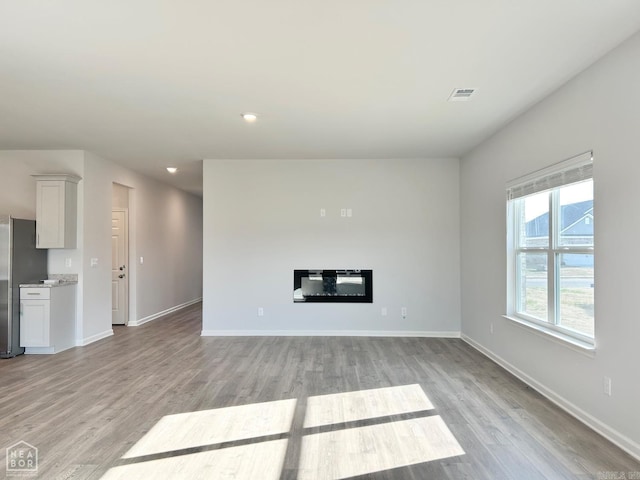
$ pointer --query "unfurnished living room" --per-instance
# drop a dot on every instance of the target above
(319, 240)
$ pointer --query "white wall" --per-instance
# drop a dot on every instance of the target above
(165, 224)
(262, 221)
(597, 110)
(120, 196)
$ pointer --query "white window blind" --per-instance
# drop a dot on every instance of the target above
(573, 170)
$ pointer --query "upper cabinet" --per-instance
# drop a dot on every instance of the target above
(56, 211)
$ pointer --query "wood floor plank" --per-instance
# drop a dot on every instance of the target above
(85, 408)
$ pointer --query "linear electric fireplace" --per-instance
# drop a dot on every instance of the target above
(346, 286)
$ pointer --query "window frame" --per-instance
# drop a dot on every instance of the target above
(535, 183)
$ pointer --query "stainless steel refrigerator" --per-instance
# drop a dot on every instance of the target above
(20, 262)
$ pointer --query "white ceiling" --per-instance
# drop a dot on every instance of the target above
(152, 83)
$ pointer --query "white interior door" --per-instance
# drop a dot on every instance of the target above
(119, 267)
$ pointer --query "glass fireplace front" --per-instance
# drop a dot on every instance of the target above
(351, 286)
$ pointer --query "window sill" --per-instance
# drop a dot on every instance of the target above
(557, 337)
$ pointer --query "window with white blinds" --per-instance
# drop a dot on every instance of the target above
(550, 254)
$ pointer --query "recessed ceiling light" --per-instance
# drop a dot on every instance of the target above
(172, 169)
(249, 117)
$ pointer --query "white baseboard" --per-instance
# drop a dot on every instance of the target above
(141, 321)
(622, 441)
(327, 333)
(94, 338)
(39, 350)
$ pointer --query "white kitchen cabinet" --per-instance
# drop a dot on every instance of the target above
(47, 318)
(34, 323)
(56, 210)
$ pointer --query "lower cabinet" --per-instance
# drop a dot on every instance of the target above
(47, 318)
(34, 323)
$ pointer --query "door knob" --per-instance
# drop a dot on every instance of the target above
(122, 267)
(121, 275)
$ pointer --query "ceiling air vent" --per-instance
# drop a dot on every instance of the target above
(461, 94)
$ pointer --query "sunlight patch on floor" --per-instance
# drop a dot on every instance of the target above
(210, 427)
(384, 442)
(365, 404)
(358, 451)
(261, 460)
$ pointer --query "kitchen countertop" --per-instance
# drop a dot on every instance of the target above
(48, 285)
(64, 279)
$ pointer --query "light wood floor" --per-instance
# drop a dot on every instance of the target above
(159, 401)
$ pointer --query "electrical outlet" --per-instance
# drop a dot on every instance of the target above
(383, 311)
(141, 260)
(323, 212)
(607, 386)
(403, 312)
(349, 212)
(260, 311)
(343, 212)
(67, 262)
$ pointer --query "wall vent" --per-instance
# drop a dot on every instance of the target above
(461, 94)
